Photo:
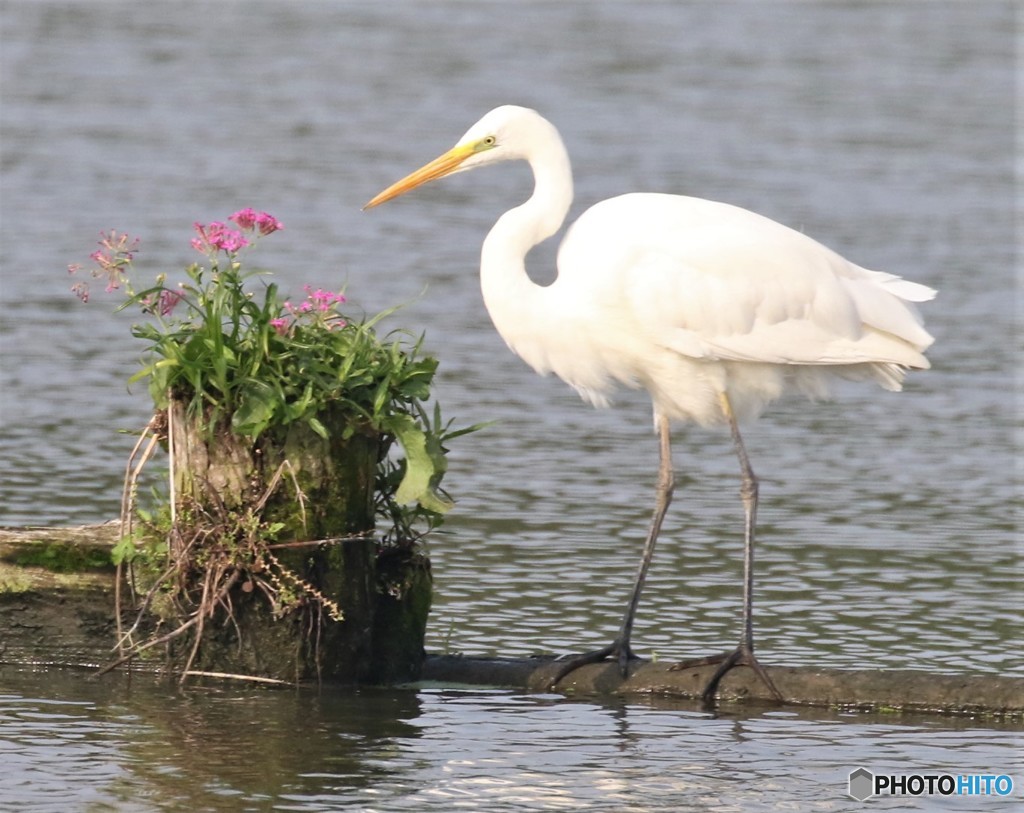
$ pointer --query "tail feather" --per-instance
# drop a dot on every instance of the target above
(883, 303)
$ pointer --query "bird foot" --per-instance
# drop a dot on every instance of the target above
(743, 655)
(621, 652)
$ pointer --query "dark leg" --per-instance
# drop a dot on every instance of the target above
(743, 655)
(619, 648)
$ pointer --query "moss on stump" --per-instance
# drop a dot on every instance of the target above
(343, 622)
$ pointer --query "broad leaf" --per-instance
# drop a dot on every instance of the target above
(425, 464)
(257, 402)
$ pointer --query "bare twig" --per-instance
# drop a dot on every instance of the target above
(229, 676)
(170, 636)
(172, 495)
(333, 540)
(202, 612)
(158, 583)
(272, 486)
(131, 476)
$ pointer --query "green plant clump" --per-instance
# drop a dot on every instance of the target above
(239, 351)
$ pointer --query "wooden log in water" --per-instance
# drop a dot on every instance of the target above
(56, 607)
(57, 595)
(983, 696)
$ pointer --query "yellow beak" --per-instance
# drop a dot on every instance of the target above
(438, 168)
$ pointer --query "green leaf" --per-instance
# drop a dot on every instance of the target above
(145, 371)
(124, 550)
(318, 427)
(257, 403)
(425, 464)
(476, 427)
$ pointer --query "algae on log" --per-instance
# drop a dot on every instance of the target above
(57, 595)
(319, 494)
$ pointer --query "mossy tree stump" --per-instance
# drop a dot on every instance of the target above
(346, 609)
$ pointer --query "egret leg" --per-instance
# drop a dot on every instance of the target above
(619, 648)
(743, 655)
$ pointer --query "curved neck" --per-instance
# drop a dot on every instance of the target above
(517, 304)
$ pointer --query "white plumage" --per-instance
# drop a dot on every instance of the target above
(714, 310)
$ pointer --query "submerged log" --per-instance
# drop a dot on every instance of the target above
(57, 595)
(56, 607)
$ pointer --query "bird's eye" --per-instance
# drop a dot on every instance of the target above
(490, 141)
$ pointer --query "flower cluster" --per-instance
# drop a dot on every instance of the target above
(248, 219)
(164, 303)
(212, 336)
(116, 252)
(319, 307)
(320, 299)
(112, 258)
(218, 237)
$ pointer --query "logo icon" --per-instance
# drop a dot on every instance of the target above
(862, 783)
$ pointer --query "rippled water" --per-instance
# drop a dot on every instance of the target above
(137, 748)
(889, 523)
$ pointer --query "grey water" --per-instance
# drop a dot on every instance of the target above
(889, 523)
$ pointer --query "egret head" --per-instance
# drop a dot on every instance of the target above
(503, 134)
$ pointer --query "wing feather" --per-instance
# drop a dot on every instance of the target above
(715, 282)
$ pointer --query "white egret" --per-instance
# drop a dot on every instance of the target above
(714, 310)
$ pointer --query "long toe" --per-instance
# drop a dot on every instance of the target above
(622, 654)
(750, 660)
(741, 656)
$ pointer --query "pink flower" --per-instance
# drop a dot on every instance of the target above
(168, 301)
(298, 310)
(318, 308)
(217, 237)
(81, 290)
(231, 240)
(202, 242)
(248, 219)
(112, 259)
(323, 300)
(280, 325)
(244, 218)
(267, 224)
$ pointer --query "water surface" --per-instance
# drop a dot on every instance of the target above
(889, 523)
(139, 747)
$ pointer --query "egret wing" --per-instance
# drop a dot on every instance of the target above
(717, 282)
